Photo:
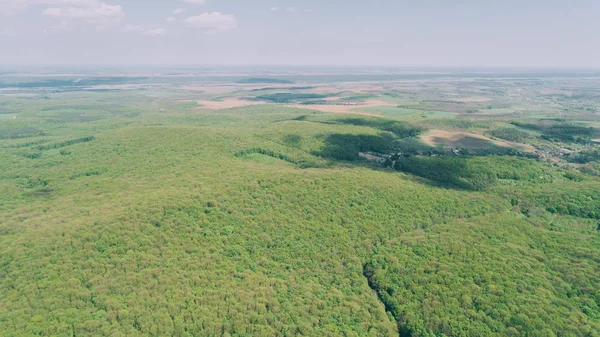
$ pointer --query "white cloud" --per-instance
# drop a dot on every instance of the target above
(69, 12)
(91, 11)
(155, 32)
(16, 6)
(212, 22)
(102, 14)
(195, 2)
(76, 3)
(274, 9)
(9, 7)
(291, 9)
(178, 11)
(62, 27)
(171, 19)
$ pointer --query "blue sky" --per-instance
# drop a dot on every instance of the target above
(482, 33)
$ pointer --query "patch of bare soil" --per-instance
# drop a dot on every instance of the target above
(333, 108)
(376, 102)
(472, 99)
(346, 108)
(211, 89)
(466, 140)
(226, 103)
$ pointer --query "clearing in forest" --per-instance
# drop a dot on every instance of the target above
(466, 140)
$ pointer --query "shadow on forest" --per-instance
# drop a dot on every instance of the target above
(292, 140)
(407, 153)
(399, 129)
(348, 146)
(438, 170)
(453, 172)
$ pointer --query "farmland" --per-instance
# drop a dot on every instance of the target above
(323, 204)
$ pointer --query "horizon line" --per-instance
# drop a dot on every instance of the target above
(543, 67)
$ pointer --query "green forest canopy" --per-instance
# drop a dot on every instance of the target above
(150, 223)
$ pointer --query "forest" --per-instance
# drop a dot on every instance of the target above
(146, 212)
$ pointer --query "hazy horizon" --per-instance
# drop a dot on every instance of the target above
(484, 34)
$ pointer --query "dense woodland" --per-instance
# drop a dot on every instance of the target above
(156, 218)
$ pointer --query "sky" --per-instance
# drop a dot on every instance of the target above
(415, 33)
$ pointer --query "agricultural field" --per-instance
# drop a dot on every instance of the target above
(325, 203)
